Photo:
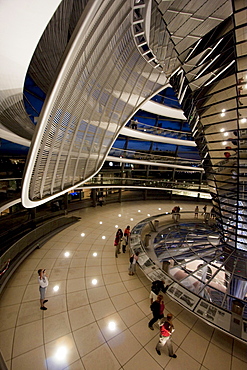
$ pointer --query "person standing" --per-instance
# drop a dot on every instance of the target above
(117, 242)
(196, 211)
(43, 284)
(157, 307)
(166, 330)
(124, 243)
(204, 210)
(127, 233)
(133, 261)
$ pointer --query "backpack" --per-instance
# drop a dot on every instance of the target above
(132, 259)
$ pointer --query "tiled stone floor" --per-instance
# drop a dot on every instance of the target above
(101, 326)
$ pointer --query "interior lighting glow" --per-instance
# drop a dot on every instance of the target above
(110, 164)
(131, 219)
(208, 65)
(222, 114)
(148, 214)
(245, 86)
(215, 46)
(95, 254)
(243, 120)
(223, 110)
(112, 325)
(119, 215)
(224, 142)
(191, 51)
(100, 222)
(66, 254)
(56, 288)
(94, 281)
(223, 70)
(116, 226)
(222, 130)
(82, 234)
(103, 237)
(61, 353)
(139, 210)
(159, 209)
(226, 134)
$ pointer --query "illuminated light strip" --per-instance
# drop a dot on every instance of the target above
(210, 51)
(197, 19)
(194, 127)
(181, 99)
(223, 70)
(206, 67)
(176, 70)
(194, 48)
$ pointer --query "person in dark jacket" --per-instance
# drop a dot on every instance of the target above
(156, 287)
(157, 308)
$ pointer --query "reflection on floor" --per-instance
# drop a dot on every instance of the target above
(98, 317)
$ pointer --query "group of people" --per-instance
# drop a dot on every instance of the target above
(121, 240)
(156, 300)
(165, 323)
(204, 212)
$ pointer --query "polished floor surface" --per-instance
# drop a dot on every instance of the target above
(97, 314)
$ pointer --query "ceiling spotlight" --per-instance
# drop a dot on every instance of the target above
(222, 130)
(222, 114)
(226, 134)
(116, 226)
(119, 215)
(243, 120)
(66, 254)
(95, 254)
(224, 142)
(82, 234)
(103, 237)
(100, 222)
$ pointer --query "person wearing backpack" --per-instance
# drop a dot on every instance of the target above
(157, 307)
(166, 330)
(133, 260)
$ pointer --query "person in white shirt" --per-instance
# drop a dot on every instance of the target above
(133, 261)
(43, 284)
